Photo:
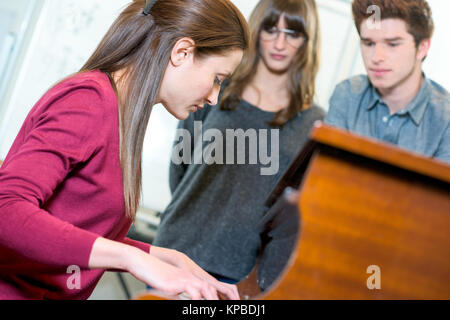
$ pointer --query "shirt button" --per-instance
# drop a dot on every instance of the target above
(385, 119)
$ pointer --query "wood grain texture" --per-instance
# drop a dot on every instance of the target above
(353, 218)
(365, 203)
(380, 151)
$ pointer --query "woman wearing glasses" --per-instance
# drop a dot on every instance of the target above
(70, 184)
(214, 213)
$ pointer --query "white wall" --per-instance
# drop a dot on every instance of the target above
(67, 32)
(437, 64)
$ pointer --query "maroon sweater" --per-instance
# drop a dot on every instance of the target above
(60, 189)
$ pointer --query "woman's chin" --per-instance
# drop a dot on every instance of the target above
(183, 117)
(179, 114)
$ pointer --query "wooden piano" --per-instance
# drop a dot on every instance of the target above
(375, 223)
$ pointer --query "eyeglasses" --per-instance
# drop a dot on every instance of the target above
(293, 38)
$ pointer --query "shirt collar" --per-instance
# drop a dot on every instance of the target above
(374, 98)
(416, 108)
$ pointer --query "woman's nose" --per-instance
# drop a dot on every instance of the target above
(280, 41)
(213, 96)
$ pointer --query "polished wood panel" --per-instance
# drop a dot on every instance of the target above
(365, 203)
(380, 151)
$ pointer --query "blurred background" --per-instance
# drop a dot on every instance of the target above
(42, 41)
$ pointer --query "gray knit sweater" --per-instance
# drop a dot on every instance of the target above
(215, 208)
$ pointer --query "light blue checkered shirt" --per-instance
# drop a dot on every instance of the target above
(422, 127)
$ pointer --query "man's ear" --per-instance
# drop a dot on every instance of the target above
(423, 49)
(182, 51)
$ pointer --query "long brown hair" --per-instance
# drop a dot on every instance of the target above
(141, 44)
(302, 16)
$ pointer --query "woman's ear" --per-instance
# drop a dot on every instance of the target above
(182, 51)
